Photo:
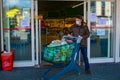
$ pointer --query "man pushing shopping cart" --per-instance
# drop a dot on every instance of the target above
(66, 54)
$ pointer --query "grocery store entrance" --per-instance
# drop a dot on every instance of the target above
(27, 25)
(21, 29)
(99, 16)
(57, 17)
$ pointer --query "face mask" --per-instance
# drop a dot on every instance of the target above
(77, 22)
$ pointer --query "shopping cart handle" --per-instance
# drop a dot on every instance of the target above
(71, 37)
(78, 39)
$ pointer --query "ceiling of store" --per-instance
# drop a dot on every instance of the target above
(58, 9)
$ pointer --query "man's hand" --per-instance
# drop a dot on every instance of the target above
(81, 37)
(69, 35)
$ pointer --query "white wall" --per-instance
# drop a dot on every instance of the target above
(117, 52)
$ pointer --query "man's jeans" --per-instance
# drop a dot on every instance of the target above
(84, 53)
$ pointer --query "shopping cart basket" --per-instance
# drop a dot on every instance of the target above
(67, 61)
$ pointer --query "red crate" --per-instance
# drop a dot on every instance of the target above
(7, 60)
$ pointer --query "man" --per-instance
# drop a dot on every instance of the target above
(42, 21)
(79, 29)
(43, 26)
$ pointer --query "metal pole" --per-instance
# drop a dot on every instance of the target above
(32, 31)
(37, 34)
(85, 11)
(8, 33)
(40, 56)
(1, 28)
(88, 47)
(38, 44)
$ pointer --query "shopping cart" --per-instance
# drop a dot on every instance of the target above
(67, 64)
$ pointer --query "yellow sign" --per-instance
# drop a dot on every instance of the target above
(12, 13)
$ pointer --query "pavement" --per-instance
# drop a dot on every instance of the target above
(104, 71)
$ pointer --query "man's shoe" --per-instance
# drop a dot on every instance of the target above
(88, 72)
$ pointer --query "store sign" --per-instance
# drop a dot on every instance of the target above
(11, 13)
(98, 8)
(107, 8)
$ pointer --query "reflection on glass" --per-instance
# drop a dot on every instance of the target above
(101, 39)
(17, 28)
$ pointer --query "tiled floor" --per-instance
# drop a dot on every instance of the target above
(108, 71)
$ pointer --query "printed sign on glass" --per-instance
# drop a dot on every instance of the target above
(100, 32)
(102, 21)
(93, 17)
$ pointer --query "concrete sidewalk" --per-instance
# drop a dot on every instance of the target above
(106, 71)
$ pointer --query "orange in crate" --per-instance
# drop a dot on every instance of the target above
(7, 60)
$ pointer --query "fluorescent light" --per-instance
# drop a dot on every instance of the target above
(78, 5)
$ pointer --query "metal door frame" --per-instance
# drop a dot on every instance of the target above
(1, 27)
(22, 63)
(31, 62)
(98, 60)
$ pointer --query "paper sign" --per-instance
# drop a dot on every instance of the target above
(24, 22)
(108, 8)
(26, 13)
(93, 17)
(98, 8)
(23, 35)
(102, 21)
(100, 32)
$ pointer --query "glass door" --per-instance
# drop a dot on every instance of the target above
(18, 30)
(101, 23)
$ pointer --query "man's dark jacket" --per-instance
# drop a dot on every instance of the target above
(83, 31)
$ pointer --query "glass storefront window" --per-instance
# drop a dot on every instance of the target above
(17, 28)
(101, 28)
